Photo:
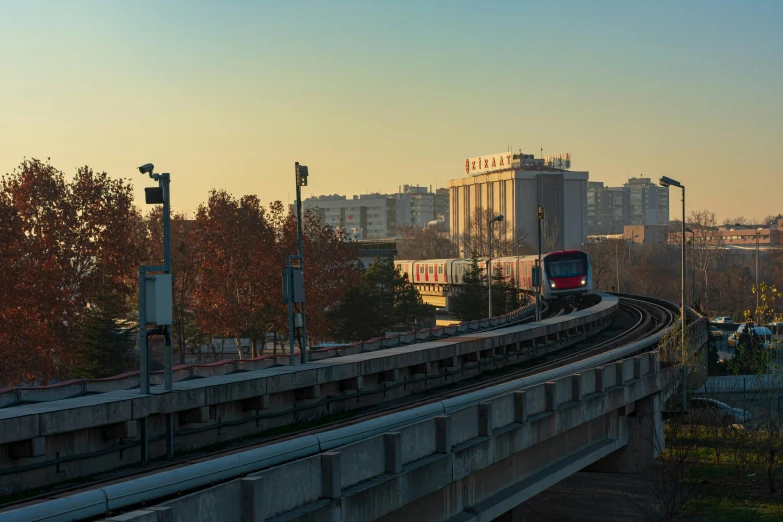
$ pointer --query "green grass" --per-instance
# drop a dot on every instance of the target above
(734, 489)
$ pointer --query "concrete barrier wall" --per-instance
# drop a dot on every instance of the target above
(42, 444)
(415, 473)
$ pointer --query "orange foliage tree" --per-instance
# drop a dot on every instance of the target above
(235, 275)
(64, 243)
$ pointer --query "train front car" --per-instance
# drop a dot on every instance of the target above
(567, 276)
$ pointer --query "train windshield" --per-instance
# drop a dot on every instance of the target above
(566, 266)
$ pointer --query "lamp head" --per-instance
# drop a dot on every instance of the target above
(499, 217)
(666, 181)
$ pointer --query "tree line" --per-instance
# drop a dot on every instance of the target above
(719, 281)
(70, 249)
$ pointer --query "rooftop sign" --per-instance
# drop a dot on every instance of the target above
(481, 164)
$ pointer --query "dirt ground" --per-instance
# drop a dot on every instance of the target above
(590, 497)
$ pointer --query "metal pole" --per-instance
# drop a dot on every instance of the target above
(617, 264)
(144, 366)
(684, 321)
(757, 275)
(290, 276)
(489, 268)
(303, 337)
(540, 270)
(163, 182)
(693, 270)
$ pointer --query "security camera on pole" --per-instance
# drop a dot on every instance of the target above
(155, 306)
(293, 278)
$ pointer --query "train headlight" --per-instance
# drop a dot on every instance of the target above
(552, 284)
(584, 281)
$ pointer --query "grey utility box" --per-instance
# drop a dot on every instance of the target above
(159, 299)
(293, 286)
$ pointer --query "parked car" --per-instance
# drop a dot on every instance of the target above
(776, 327)
(716, 332)
(711, 412)
(723, 320)
(762, 332)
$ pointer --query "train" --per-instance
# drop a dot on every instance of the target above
(567, 275)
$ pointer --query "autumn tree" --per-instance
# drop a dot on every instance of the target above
(74, 240)
(233, 295)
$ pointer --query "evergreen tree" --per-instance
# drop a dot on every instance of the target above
(471, 301)
(505, 295)
(381, 302)
(106, 341)
(410, 311)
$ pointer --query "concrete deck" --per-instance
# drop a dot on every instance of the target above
(54, 441)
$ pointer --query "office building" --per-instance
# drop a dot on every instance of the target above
(515, 184)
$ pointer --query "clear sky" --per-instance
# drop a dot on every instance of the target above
(372, 95)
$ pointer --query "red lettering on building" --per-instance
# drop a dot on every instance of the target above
(467, 166)
(473, 165)
(501, 161)
(508, 158)
(486, 163)
(493, 161)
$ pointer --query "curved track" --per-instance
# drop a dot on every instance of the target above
(637, 317)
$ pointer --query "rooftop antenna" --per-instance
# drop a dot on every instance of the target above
(542, 152)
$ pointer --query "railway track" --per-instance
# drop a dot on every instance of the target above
(637, 318)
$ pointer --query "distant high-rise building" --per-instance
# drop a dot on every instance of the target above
(637, 202)
(372, 216)
(605, 209)
(366, 216)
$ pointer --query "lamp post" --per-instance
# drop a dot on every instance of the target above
(666, 182)
(516, 268)
(693, 265)
(630, 244)
(539, 268)
(301, 174)
(495, 219)
(757, 233)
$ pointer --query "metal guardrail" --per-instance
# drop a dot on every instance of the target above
(424, 335)
(376, 343)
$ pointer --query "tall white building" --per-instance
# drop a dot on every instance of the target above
(366, 216)
(514, 184)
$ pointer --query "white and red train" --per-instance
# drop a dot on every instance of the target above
(566, 275)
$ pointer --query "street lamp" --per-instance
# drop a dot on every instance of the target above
(666, 182)
(516, 268)
(757, 233)
(693, 265)
(540, 276)
(495, 219)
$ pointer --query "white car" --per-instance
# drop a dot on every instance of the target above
(723, 320)
(711, 412)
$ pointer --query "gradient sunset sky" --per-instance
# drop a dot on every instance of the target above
(372, 95)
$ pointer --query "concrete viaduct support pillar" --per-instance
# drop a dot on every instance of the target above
(644, 429)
